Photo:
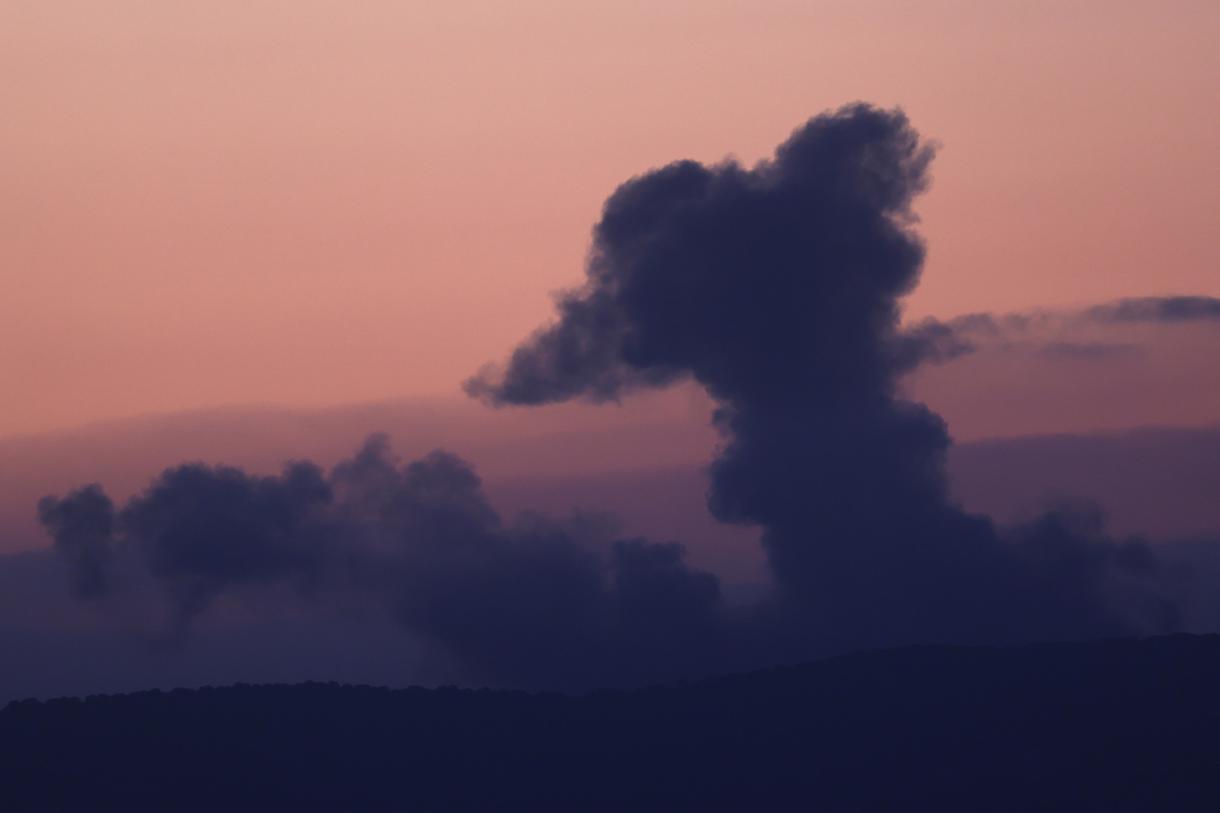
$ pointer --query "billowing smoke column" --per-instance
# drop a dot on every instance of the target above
(777, 289)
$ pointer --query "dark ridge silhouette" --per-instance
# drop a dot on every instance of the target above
(1107, 726)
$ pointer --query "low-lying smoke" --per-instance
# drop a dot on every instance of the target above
(533, 602)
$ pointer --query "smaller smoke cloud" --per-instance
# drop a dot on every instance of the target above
(1054, 333)
(1158, 309)
(1088, 351)
(534, 602)
(934, 342)
(82, 526)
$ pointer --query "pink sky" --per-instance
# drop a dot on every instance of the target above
(314, 202)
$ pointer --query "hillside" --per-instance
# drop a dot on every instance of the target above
(1127, 724)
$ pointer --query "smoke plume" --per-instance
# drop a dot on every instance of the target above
(778, 289)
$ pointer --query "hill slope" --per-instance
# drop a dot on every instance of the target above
(1114, 725)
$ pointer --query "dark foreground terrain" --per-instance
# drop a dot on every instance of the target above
(1116, 725)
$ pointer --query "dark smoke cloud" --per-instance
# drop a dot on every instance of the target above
(776, 288)
(535, 602)
(81, 525)
(1088, 351)
(942, 341)
(1158, 309)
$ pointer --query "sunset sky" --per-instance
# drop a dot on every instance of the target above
(235, 234)
(318, 203)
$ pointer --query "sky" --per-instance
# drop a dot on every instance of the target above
(320, 203)
(936, 367)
